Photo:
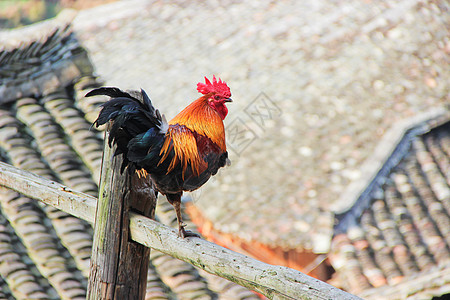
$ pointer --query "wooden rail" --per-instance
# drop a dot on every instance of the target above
(275, 282)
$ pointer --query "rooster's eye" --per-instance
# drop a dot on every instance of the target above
(216, 97)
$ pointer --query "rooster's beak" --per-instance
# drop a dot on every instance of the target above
(228, 100)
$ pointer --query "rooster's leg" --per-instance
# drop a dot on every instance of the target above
(175, 200)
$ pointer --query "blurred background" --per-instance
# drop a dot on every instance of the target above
(15, 13)
(317, 86)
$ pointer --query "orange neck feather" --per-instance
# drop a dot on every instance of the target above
(200, 117)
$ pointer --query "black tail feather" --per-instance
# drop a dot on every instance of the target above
(131, 113)
(112, 92)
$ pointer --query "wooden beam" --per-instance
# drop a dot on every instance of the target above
(119, 265)
(49, 192)
(273, 281)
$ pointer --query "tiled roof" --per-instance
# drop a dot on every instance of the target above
(399, 231)
(45, 128)
(335, 77)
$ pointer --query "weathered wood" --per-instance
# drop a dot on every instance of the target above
(134, 257)
(49, 192)
(273, 281)
(118, 264)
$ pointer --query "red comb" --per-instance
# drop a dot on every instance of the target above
(218, 87)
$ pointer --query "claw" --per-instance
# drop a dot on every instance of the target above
(183, 233)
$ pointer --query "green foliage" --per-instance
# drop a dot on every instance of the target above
(16, 13)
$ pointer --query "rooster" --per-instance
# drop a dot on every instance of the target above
(180, 155)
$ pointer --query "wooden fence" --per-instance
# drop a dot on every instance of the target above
(275, 282)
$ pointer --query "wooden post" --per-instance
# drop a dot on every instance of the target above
(119, 265)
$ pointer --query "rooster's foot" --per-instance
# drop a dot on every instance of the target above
(183, 233)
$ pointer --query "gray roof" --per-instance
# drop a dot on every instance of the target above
(315, 86)
(45, 128)
(335, 77)
(394, 242)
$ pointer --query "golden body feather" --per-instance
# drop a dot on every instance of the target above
(197, 118)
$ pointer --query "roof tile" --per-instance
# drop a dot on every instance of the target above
(405, 228)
